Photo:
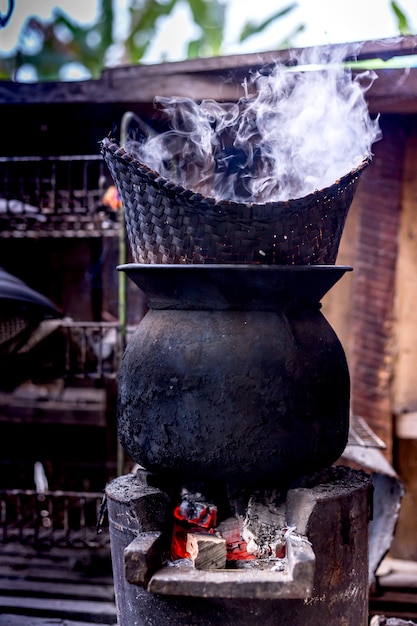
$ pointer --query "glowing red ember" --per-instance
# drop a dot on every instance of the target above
(190, 516)
(231, 531)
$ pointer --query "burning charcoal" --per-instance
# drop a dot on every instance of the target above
(193, 514)
(194, 510)
(231, 530)
(198, 513)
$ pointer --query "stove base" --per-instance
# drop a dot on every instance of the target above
(331, 511)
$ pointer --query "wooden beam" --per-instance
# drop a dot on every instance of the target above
(218, 77)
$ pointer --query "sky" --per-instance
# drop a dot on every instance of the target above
(326, 21)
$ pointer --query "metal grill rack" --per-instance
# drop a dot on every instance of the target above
(90, 350)
(98, 348)
(53, 518)
(94, 349)
(55, 566)
(59, 196)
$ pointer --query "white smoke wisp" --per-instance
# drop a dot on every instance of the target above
(296, 130)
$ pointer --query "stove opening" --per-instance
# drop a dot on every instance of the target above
(250, 535)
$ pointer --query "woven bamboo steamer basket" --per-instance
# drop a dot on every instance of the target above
(167, 223)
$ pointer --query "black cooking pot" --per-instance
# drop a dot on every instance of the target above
(234, 374)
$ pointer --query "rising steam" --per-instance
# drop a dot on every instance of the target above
(297, 129)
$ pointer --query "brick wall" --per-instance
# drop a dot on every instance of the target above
(372, 349)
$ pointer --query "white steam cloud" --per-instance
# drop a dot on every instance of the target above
(297, 129)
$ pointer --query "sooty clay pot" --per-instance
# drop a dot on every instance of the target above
(234, 374)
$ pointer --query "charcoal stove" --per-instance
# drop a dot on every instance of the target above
(234, 383)
(234, 389)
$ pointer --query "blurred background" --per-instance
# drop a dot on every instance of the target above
(75, 39)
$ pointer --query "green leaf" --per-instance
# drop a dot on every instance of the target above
(402, 21)
(250, 28)
(143, 24)
(288, 41)
(209, 15)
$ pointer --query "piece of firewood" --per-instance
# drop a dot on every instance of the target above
(206, 550)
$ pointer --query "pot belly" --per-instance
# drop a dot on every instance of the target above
(246, 397)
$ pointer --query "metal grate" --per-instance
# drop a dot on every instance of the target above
(93, 350)
(360, 434)
(53, 518)
(82, 350)
(55, 196)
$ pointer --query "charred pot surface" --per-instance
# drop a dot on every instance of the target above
(248, 397)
